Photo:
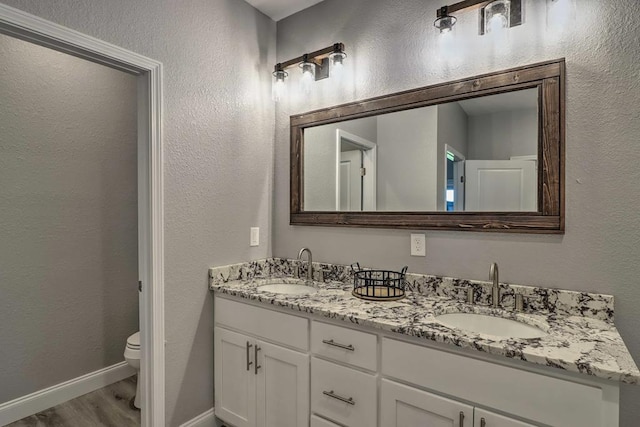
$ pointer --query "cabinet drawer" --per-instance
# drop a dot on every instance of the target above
(529, 395)
(316, 421)
(278, 327)
(344, 345)
(331, 388)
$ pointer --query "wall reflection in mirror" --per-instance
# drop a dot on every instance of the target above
(478, 154)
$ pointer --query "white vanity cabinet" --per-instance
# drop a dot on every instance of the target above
(405, 406)
(525, 394)
(343, 394)
(484, 418)
(260, 383)
(344, 387)
(276, 369)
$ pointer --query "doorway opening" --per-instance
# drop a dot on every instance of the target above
(27, 27)
(455, 180)
(356, 173)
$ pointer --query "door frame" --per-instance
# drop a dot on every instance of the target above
(24, 26)
(459, 189)
(369, 161)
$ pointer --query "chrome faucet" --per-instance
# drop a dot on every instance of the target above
(495, 290)
(309, 261)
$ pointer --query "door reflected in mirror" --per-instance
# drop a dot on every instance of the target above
(475, 155)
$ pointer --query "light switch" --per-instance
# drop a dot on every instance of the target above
(255, 236)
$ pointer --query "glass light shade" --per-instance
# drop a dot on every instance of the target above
(308, 76)
(497, 16)
(445, 24)
(337, 67)
(279, 87)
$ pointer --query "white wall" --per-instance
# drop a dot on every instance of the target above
(68, 217)
(407, 172)
(218, 143)
(392, 46)
(498, 136)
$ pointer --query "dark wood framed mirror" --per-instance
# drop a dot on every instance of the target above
(484, 153)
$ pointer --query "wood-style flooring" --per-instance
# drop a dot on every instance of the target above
(108, 407)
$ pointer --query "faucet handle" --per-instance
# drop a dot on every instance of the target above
(320, 274)
(469, 292)
(520, 298)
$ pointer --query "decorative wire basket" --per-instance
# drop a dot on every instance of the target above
(378, 285)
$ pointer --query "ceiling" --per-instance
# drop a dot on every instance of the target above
(278, 9)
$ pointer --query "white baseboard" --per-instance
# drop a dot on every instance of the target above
(206, 419)
(33, 403)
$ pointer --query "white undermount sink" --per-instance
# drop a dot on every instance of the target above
(288, 289)
(490, 325)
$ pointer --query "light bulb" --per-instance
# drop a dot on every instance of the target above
(445, 24)
(497, 16)
(497, 23)
(337, 63)
(308, 76)
(279, 87)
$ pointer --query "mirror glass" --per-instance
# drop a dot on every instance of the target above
(474, 155)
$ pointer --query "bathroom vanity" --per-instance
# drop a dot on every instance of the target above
(329, 359)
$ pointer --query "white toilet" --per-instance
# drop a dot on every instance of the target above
(132, 356)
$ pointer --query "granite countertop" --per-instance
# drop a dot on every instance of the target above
(575, 341)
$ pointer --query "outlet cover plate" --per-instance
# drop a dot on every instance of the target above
(418, 245)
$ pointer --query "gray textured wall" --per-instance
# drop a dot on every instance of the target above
(68, 217)
(498, 136)
(393, 46)
(407, 172)
(218, 145)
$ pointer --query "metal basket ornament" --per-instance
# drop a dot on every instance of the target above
(378, 285)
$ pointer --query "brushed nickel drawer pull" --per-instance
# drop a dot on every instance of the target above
(343, 346)
(257, 349)
(461, 419)
(249, 345)
(483, 422)
(331, 394)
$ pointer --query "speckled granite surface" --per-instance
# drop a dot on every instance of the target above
(581, 336)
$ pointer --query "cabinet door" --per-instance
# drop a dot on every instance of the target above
(484, 418)
(403, 406)
(282, 387)
(316, 421)
(235, 390)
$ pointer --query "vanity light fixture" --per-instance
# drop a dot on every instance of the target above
(279, 85)
(315, 66)
(337, 56)
(308, 73)
(494, 15)
(444, 22)
(497, 15)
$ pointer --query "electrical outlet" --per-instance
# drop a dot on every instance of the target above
(418, 245)
(255, 236)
